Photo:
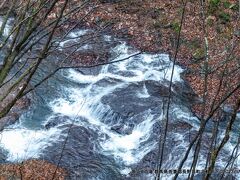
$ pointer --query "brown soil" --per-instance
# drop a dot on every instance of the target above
(32, 169)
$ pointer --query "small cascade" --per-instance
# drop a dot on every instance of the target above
(115, 115)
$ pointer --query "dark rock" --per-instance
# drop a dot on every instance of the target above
(179, 126)
(79, 155)
(185, 93)
(3, 156)
(117, 128)
(156, 89)
(10, 119)
(110, 1)
(121, 129)
(108, 81)
(90, 71)
(61, 120)
(149, 161)
(121, 73)
(125, 100)
(56, 121)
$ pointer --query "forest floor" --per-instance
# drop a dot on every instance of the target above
(32, 169)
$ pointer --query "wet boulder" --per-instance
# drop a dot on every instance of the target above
(108, 81)
(184, 92)
(110, 1)
(3, 156)
(79, 156)
(178, 132)
(61, 120)
(156, 89)
(128, 101)
(55, 121)
(123, 129)
(90, 71)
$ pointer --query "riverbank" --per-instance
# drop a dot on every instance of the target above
(31, 169)
(153, 26)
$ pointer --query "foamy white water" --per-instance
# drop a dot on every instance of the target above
(84, 100)
(74, 37)
(23, 144)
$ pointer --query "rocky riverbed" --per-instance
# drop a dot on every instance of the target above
(104, 122)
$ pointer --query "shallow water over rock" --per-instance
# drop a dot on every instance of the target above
(105, 122)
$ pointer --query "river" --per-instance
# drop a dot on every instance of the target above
(105, 122)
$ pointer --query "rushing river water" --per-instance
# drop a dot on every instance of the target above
(104, 122)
